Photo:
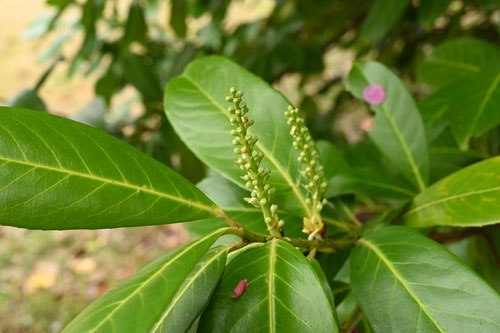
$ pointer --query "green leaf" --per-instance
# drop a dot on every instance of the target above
(382, 15)
(142, 75)
(457, 59)
(474, 106)
(178, 12)
(59, 174)
(343, 179)
(433, 111)
(372, 182)
(136, 28)
(406, 282)
(331, 159)
(429, 10)
(229, 197)
(446, 157)
(399, 131)
(324, 281)
(27, 98)
(347, 307)
(466, 198)
(195, 105)
(167, 295)
(284, 294)
(478, 255)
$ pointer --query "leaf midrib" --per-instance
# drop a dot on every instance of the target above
(382, 185)
(455, 64)
(269, 156)
(482, 106)
(171, 306)
(450, 198)
(272, 259)
(401, 280)
(142, 285)
(406, 150)
(212, 210)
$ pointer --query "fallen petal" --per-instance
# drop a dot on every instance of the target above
(374, 94)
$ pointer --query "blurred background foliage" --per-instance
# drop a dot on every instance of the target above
(127, 51)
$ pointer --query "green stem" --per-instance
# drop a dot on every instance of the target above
(46, 74)
(327, 245)
(351, 321)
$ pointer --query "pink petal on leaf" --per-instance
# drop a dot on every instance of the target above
(374, 94)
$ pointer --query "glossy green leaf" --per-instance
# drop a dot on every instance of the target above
(399, 130)
(474, 106)
(229, 197)
(469, 197)
(59, 174)
(165, 296)
(195, 105)
(406, 282)
(284, 294)
(382, 15)
(457, 59)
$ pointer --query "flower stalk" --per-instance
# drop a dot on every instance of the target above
(249, 161)
(313, 172)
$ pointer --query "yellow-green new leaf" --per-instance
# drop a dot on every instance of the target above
(467, 198)
(406, 282)
(165, 296)
(59, 174)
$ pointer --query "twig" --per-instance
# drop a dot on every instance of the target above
(312, 254)
(491, 247)
(462, 233)
(327, 245)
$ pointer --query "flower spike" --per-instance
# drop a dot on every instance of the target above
(313, 172)
(249, 161)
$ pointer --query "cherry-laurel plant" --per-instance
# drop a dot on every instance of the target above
(282, 245)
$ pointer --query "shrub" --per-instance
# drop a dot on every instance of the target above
(283, 244)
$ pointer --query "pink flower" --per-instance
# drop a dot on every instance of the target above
(240, 288)
(374, 94)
